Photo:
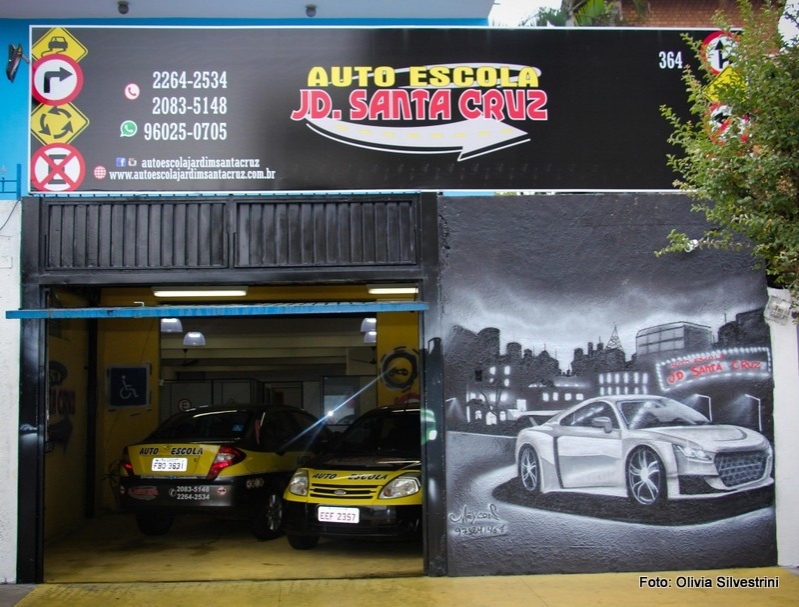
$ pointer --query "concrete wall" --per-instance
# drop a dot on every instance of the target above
(9, 386)
(13, 131)
(786, 429)
(553, 300)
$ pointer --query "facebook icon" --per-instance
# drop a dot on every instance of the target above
(121, 162)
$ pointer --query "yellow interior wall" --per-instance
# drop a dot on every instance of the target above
(124, 342)
(136, 342)
(65, 464)
(397, 344)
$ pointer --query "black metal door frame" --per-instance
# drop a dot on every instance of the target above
(37, 278)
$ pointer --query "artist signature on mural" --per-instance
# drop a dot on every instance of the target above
(472, 523)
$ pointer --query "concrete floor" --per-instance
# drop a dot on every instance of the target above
(204, 561)
(203, 548)
(617, 589)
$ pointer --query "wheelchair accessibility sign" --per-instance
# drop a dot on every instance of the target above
(128, 387)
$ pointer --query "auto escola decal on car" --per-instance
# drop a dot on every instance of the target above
(172, 451)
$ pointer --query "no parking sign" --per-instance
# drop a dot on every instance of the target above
(57, 167)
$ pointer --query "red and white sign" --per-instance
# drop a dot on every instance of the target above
(716, 49)
(57, 167)
(56, 79)
(719, 365)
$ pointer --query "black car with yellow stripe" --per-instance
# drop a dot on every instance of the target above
(367, 486)
(234, 460)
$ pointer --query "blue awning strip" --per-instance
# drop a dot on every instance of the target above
(271, 309)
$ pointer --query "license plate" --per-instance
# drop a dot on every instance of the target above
(332, 514)
(169, 464)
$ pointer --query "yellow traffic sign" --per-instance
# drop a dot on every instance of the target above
(727, 77)
(58, 41)
(57, 124)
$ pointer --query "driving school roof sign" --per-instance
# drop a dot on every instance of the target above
(172, 110)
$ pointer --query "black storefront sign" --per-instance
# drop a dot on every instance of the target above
(244, 110)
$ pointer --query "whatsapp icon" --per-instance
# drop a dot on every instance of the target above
(128, 129)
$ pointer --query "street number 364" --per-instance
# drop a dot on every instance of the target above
(670, 60)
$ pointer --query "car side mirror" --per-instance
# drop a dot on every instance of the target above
(603, 422)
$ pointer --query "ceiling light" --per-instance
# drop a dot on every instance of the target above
(370, 337)
(392, 289)
(194, 338)
(368, 324)
(171, 325)
(199, 291)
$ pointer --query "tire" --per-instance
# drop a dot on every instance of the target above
(267, 524)
(303, 542)
(530, 470)
(646, 477)
(154, 523)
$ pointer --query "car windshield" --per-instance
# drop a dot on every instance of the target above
(640, 414)
(215, 426)
(393, 432)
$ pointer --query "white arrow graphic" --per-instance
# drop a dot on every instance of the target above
(470, 138)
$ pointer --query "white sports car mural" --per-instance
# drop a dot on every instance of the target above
(649, 448)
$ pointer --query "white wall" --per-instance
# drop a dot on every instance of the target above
(786, 430)
(9, 386)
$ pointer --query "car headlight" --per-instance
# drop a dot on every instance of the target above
(402, 486)
(299, 483)
(693, 451)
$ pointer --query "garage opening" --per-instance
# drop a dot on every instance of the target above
(88, 266)
(115, 372)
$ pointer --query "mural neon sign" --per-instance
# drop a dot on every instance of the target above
(717, 365)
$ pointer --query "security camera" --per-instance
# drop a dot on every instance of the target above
(310, 10)
(123, 7)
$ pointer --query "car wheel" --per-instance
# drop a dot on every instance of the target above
(303, 542)
(150, 523)
(530, 470)
(267, 524)
(646, 477)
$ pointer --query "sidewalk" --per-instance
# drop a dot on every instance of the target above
(770, 586)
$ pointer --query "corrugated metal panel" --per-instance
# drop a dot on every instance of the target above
(135, 235)
(195, 234)
(325, 233)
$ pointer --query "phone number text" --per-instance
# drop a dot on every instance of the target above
(180, 131)
(183, 105)
(198, 79)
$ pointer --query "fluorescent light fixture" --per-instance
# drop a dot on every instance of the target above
(370, 337)
(368, 324)
(199, 291)
(194, 338)
(392, 289)
(171, 325)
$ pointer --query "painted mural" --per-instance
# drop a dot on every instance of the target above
(606, 409)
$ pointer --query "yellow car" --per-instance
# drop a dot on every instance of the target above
(367, 486)
(233, 460)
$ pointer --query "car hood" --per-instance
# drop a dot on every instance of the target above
(712, 436)
(365, 461)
